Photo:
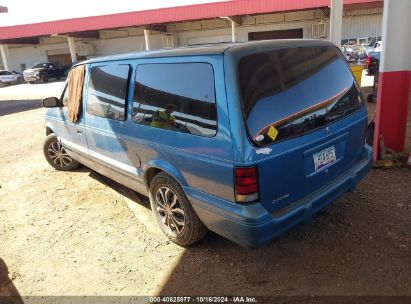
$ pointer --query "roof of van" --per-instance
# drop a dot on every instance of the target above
(214, 49)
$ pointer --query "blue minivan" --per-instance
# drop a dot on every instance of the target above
(243, 139)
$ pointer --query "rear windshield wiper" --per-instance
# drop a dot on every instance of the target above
(333, 116)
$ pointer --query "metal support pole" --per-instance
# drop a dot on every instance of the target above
(147, 39)
(72, 46)
(336, 21)
(5, 56)
(233, 38)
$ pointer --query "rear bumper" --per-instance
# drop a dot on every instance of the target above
(252, 226)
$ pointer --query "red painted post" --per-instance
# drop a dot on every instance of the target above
(394, 87)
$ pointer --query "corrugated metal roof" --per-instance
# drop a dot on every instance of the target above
(164, 15)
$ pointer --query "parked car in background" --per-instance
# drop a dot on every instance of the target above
(369, 47)
(67, 68)
(354, 53)
(374, 46)
(7, 77)
(373, 63)
(42, 72)
(244, 139)
(17, 73)
(378, 46)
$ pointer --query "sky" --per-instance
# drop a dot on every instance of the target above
(33, 11)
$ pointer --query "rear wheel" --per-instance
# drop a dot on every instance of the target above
(20, 80)
(57, 156)
(44, 79)
(173, 212)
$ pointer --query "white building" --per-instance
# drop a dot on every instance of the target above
(24, 45)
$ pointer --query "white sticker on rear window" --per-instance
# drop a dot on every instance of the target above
(265, 151)
(259, 137)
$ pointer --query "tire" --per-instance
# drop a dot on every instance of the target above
(20, 80)
(182, 226)
(56, 155)
(44, 79)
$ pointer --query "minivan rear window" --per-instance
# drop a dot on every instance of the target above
(289, 92)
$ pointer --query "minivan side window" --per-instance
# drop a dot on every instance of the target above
(107, 91)
(176, 96)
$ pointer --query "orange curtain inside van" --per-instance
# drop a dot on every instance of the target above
(75, 82)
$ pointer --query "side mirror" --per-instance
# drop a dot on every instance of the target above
(50, 102)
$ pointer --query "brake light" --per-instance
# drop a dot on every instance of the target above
(246, 184)
(368, 60)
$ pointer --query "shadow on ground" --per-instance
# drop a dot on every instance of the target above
(8, 107)
(8, 292)
(120, 189)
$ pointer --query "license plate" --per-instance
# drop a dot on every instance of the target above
(324, 158)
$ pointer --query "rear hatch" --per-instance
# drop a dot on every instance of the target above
(304, 116)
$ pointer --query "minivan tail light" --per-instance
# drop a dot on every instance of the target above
(246, 184)
(368, 60)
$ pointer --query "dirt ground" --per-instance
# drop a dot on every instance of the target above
(78, 233)
(34, 91)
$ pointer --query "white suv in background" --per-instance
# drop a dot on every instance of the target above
(7, 77)
(377, 46)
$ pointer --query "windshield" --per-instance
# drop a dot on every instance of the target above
(40, 65)
(289, 92)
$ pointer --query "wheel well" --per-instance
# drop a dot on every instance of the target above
(48, 131)
(150, 175)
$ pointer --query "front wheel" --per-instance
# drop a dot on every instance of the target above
(173, 212)
(57, 156)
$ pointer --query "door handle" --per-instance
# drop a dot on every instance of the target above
(79, 132)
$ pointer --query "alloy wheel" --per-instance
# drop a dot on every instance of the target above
(58, 155)
(171, 210)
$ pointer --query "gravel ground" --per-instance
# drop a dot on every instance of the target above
(79, 233)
